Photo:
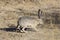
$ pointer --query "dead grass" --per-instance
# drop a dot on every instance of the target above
(11, 10)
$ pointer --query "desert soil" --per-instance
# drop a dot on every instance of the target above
(11, 10)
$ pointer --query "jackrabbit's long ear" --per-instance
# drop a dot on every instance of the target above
(39, 13)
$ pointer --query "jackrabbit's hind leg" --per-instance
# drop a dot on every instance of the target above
(24, 29)
(19, 28)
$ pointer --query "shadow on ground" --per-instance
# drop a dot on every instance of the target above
(9, 29)
(13, 29)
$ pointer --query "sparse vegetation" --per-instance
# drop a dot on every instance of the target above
(11, 10)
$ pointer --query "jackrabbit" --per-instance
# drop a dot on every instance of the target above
(29, 22)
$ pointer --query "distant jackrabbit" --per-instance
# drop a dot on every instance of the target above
(29, 22)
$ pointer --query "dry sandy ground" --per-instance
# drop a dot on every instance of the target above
(44, 34)
(11, 10)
